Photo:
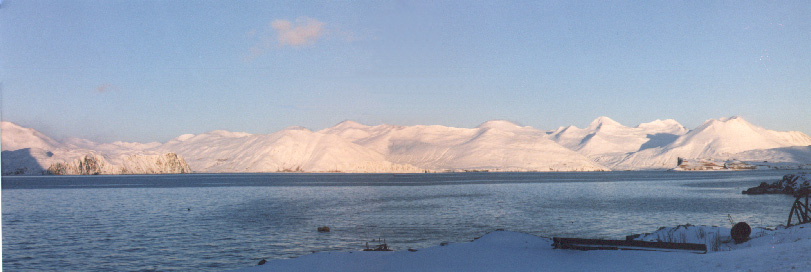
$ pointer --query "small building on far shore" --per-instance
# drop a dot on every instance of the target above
(712, 165)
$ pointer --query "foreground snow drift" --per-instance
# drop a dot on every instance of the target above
(768, 250)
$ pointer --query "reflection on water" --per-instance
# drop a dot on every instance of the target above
(217, 222)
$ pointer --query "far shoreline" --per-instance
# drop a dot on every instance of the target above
(670, 170)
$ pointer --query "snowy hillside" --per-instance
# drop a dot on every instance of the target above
(356, 148)
(606, 141)
(26, 151)
(605, 136)
(722, 139)
(14, 137)
(492, 146)
(289, 150)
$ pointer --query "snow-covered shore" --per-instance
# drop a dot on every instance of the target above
(784, 249)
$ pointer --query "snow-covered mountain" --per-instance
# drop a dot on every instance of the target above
(26, 151)
(608, 142)
(492, 146)
(781, 154)
(722, 139)
(289, 150)
(606, 136)
(353, 147)
(14, 137)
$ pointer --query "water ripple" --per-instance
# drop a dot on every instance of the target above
(219, 222)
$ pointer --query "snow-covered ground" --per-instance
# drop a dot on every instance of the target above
(784, 249)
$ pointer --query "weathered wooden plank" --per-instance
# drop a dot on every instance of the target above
(599, 244)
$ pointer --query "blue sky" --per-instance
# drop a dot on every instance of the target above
(152, 70)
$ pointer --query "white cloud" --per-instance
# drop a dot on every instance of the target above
(303, 32)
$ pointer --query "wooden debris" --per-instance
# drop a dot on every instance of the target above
(380, 247)
(598, 244)
(799, 209)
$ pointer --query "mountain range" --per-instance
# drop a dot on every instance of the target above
(356, 148)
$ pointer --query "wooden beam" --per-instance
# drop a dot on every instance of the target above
(598, 244)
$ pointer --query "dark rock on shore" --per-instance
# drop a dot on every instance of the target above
(788, 185)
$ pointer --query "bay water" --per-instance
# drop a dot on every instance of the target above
(214, 222)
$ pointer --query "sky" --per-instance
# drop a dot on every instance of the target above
(148, 71)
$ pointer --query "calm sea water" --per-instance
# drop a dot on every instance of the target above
(203, 222)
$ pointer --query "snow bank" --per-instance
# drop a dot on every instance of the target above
(768, 250)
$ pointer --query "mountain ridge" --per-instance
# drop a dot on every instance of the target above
(719, 139)
(349, 146)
